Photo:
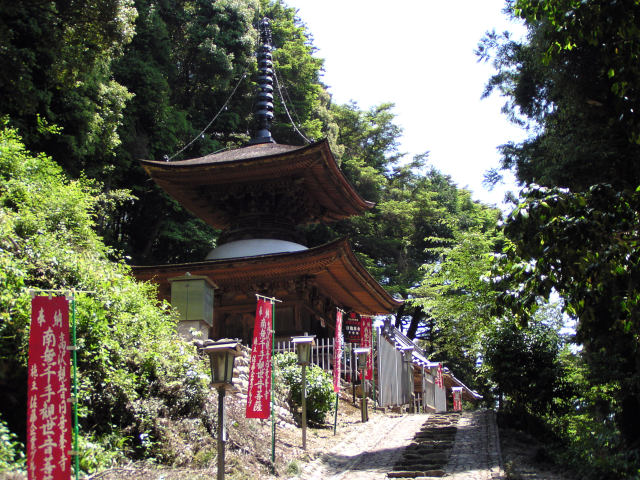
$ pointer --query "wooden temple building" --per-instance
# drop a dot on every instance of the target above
(258, 196)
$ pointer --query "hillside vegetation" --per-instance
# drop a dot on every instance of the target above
(134, 368)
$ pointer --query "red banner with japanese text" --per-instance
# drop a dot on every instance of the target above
(439, 378)
(337, 352)
(352, 329)
(49, 391)
(457, 400)
(259, 390)
(366, 342)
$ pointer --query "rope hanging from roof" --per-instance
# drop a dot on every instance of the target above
(284, 104)
(264, 105)
(201, 134)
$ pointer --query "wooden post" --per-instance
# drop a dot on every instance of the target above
(304, 407)
(221, 432)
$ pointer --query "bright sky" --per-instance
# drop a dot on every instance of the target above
(418, 54)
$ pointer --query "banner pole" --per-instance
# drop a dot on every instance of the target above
(335, 417)
(373, 366)
(273, 418)
(75, 386)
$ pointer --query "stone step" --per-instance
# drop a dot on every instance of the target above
(429, 458)
(438, 431)
(428, 453)
(423, 453)
(431, 444)
(420, 466)
(416, 474)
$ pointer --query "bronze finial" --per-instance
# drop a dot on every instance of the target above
(264, 104)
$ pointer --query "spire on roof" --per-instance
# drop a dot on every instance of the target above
(264, 104)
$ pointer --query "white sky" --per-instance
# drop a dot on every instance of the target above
(419, 55)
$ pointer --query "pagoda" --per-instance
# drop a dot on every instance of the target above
(257, 196)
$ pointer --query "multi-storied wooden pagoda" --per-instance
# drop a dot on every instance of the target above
(258, 195)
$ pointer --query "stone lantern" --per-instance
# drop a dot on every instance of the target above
(192, 296)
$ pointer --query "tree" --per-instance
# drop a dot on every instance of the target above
(571, 83)
(525, 364)
(389, 239)
(56, 69)
(182, 65)
(574, 80)
(195, 53)
(456, 293)
(584, 245)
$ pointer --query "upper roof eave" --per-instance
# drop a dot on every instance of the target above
(314, 164)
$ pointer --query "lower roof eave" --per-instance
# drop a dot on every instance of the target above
(334, 266)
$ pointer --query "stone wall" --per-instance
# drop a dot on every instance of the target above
(241, 382)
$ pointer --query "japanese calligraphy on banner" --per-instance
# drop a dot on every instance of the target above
(365, 342)
(259, 391)
(352, 329)
(49, 391)
(337, 352)
(439, 379)
(457, 399)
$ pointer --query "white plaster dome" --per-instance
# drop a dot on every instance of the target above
(253, 247)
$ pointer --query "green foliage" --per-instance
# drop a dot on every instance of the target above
(56, 68)
(557, 82)
(574, 79)
(525, 365)
(608, 31)
(584, 433)
(125, 80)
(98, 452)
(458, 297)
(12, 457)
(417, 211)
(584, 245)
(133, 367)
(320, 396)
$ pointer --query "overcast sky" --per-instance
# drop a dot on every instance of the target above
(418, 54)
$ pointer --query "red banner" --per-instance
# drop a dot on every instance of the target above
(259, 391)
(457, 400)
(337, 352)
(366, 342)
(49, 391)
(352, 329)
(439, 379)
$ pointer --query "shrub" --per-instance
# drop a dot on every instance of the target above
(11, 450)
(133, 367)
(320, 394)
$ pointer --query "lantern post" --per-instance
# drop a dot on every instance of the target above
(303, 346)
(362, 353)
(222, 354)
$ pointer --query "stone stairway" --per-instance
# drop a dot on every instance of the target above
(456, 446)
(428, 454)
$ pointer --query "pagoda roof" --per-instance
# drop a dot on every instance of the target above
(335, 268)
(312, 168)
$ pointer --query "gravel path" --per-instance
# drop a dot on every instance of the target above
(371, 450)
(476, 451)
